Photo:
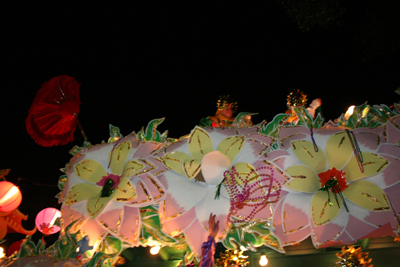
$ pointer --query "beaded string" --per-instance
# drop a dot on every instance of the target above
(356, 149)
(313, 140)
(239, 198)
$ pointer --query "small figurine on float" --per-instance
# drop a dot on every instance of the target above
(297, 98)
(223, 117)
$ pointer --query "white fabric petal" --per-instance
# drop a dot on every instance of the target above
(187, 193)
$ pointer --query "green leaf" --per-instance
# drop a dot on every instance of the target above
(114, 243)
(151, 133)
(151, 227)
(240, 119)
(61, 181)
(252, 237)
(99, 259)
(76, 149)
(303, 116)
(271, 129)
(115, 133)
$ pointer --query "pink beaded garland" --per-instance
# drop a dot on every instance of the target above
(238, 197)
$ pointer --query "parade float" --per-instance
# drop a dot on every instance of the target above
(273, 184)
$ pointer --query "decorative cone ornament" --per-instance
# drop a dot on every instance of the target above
(53, 116)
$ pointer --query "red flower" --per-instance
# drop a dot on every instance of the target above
(335, 174)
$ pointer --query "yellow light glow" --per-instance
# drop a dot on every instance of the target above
(1, 252)
(263, 260)
(349, 112)
(154, 250)
(242, 248)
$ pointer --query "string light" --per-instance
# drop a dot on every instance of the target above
(1, 252)
(154, 250)
(349, 112)
(263, 260)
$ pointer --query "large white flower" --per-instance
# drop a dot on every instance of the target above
(197, 164)
(108, 183)
(305, 209)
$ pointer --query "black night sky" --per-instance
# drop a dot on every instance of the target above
(137, 61)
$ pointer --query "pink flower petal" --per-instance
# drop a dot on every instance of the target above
(358, 228)
(129, 230)
(384, 230)
(394, 196)
(287, 134)
(389, 149)
(392, 133)
(301, 231)
(110, 219)
(93, 230)
(325, 233)
(145, 149)
(178, 222)
(196, 235)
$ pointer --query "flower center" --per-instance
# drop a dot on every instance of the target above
(213, 166)
(333, 180)
(109, 184)
(46, 228)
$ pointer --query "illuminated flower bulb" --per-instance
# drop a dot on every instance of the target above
(10, 196)
(45, 221)
(263, 260)
(349, 112)
(154, 250)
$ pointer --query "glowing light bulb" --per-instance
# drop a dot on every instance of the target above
(242, 248)
(1, 252)
(154, 250)
(263, 260)
(349, 112)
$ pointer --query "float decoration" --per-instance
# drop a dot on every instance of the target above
(174, 184)
(367, 116)
(115, 134)
(223, 117)
(353, 257)
(152, 134)
(251, 237)
(53, 116)
(150, 232)
(10, 196)
(196, 166)
(45, 221)
(232, 258)
(10, 222)
(10, 217)
(332, 225)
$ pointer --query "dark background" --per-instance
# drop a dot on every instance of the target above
(140, 61)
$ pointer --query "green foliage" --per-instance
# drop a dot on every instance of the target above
(61, 181)
(65, 246)
(76, 149)
(28, 248)
(252, 236)
(367, 116)
(151, 133)
(151, 228)
(306, 120)
(242, 119)
(272, 128)
(115, 134)
(107, 252)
